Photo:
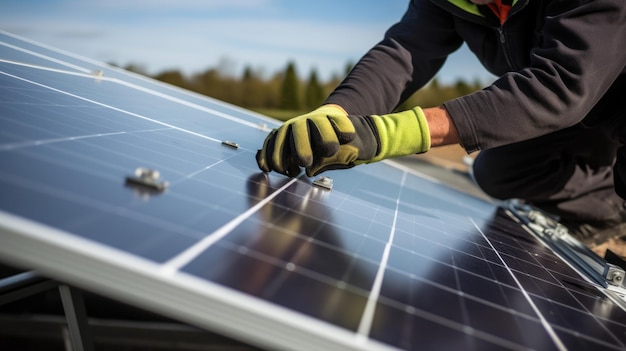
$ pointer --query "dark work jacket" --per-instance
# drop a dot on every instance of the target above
(559, 62)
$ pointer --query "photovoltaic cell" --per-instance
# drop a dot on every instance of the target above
(387, 259)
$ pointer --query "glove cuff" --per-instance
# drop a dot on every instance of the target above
(403, 133)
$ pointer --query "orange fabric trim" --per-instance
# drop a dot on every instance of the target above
(500, 10)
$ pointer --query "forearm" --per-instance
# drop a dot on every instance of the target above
(442, 129)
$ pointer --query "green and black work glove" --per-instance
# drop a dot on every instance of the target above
(328, 138)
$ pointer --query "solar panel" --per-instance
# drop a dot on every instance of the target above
(384, 259)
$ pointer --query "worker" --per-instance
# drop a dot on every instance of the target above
(550, 129)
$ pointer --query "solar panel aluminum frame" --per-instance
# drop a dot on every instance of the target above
(554, 235)
(141, 283)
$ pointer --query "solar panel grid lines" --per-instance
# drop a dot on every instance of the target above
(38, 50)
(582, 303)
(50, 57)
(365, 324)
(120, 110)
(557, 341)
(136, 280)
(385, 260)
(186, 256)
(47, 58)
(565, 292)
(91, 76)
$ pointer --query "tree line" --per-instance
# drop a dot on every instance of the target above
(286, 91)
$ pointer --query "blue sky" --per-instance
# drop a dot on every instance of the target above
(193, 35)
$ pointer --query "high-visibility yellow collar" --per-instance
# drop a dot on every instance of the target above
(470, 7)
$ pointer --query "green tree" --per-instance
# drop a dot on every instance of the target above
(290, 92)
(253, 91)
(172, 77)
(435, 94)
(134, 67)
(348, 68)
(314, 94)
(272, 89)
(434, 84)
(208, 83)
(462, 88)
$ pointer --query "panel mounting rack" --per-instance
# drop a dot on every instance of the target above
(557, 236)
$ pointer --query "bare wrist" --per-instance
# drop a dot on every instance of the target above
(442, 129)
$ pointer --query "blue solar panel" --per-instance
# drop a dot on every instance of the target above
(387, 259)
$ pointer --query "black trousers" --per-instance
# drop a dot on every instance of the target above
(568, 173)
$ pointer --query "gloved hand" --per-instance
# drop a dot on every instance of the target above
(329, 139)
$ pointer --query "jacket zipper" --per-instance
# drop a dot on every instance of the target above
(503, 42)
(504, 48)
(482, 20)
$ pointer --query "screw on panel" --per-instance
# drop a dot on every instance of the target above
(148, 178)
(230, 144)
(324, 182)
(615, 275)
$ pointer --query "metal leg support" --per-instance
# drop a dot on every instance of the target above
(76, 316)
(23, 285)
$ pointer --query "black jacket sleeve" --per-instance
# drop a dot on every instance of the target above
(579, 58)
(411, 53)
(581, 55)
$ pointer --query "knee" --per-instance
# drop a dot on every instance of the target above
(493, 176)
